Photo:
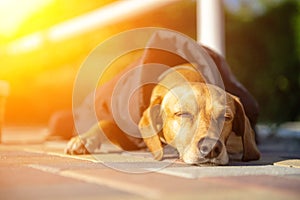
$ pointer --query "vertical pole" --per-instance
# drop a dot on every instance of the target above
(210, 24)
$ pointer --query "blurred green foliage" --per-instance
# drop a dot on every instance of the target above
(264, 53)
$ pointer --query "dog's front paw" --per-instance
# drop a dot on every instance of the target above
(82, 145)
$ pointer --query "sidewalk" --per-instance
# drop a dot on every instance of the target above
(32, 169)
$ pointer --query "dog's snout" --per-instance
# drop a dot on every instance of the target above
(210, 148)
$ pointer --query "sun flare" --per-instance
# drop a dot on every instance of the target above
(14, 12)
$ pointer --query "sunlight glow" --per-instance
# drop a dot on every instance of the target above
(103, 16)
(14, 12)
(25, 44)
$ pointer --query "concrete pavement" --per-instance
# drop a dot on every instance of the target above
(33, 169)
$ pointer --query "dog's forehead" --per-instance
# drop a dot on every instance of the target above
(195, 96)
(181, 97)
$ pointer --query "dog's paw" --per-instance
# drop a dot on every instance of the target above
(82, 145)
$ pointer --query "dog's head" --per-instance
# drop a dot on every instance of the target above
(197, 119)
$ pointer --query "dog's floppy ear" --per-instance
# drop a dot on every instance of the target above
(150, 125)
(241, 126)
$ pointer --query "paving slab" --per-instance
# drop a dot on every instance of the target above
(18, 180)
(293, 163)
(140, 162)
(33, 170)
(157, 186)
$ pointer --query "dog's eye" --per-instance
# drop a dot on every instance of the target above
(184, 114)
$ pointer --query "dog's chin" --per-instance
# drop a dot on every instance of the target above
(208, 162)
(195, 159)
(211, 162)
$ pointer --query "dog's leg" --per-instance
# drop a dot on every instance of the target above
(91, 140)
(87, 142)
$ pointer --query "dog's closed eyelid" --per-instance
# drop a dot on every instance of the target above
(184, 114)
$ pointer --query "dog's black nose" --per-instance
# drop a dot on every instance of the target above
(210, 148)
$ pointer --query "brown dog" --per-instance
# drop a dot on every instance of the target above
(201, 128)
(195, 118)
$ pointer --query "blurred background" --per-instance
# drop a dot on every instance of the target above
(40, 53)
